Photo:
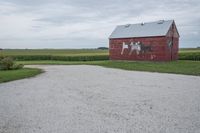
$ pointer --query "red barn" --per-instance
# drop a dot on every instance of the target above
(153, 41)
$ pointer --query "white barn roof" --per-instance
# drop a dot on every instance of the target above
(158, 28)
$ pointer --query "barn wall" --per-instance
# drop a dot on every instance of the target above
(160, 51)
(173, 36)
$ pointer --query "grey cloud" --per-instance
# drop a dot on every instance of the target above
(94, 20)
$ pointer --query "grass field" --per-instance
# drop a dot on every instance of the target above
(10, 75)
(176, 67)
(93, 57)
(55, 52)
(189, 50)
(69, 52)
(79, 54)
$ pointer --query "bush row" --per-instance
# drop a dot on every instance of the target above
(60, 58)
(189, 56)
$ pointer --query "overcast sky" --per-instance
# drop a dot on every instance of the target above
(88, 23)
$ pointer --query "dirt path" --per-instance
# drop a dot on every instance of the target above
(93, 99)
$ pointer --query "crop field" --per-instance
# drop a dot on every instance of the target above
(79, 54)
(189, 60)
(54, 52)
(71, 52)
(189, 54)
(189, 50)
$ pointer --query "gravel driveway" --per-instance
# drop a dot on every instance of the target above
(93, 99)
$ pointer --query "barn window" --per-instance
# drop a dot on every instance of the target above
(169, 43)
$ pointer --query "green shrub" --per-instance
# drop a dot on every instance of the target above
(1, 57)
(7, 63)
(17, 66)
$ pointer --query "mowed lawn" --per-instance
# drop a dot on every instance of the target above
(9, 75)
(176, 67)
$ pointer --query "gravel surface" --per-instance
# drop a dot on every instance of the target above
(93, 99)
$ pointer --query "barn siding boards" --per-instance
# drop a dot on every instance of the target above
(150, 48)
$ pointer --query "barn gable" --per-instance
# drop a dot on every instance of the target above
(173, 31)
(158, 28)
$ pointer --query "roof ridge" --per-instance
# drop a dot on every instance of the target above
(146, 22)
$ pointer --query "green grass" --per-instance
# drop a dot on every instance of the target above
(69, 52)
(10, 75)
(79, 54)
(176, 67)
(93, 57)
(189, 50)
(52, 62)
(54, 52)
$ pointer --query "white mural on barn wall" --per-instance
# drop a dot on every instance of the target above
(138, 47)
(124, 46)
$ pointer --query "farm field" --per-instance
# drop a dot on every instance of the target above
(79, 54)
(187, 64)
(55, 52)
(189, 50)
(70, 52)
